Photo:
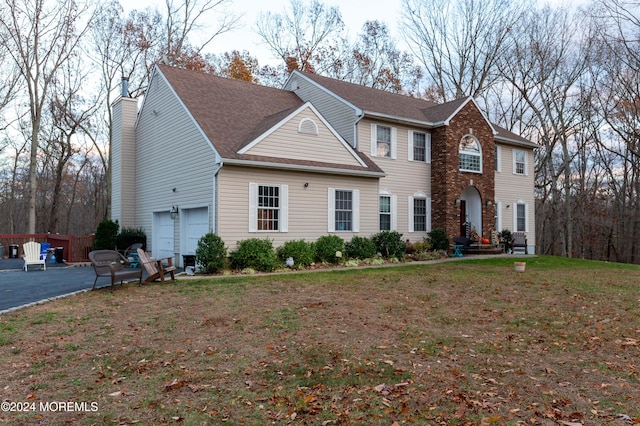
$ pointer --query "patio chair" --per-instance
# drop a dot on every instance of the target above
(519, 242)
(155, 267)
(111, 264)
(32, 255)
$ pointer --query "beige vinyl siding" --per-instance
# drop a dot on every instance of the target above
(341, 116)
(123, 162)
(288, 142)
(511, 187)
(307, 207)
(172, 153)
(404, 178)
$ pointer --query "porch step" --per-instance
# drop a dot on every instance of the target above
(484, 249)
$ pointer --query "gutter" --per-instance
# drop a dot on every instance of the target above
(315, 169)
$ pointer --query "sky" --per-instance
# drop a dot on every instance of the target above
(354, 14)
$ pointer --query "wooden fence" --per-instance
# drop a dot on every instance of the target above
(75, 248)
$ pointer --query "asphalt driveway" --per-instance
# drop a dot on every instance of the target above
(19, 288)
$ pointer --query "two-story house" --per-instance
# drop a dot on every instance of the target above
(321, 156)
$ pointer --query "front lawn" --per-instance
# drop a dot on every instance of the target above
(464, 342)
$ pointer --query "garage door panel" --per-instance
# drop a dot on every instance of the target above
(196, 225)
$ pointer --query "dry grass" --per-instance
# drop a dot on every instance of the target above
(467, 342)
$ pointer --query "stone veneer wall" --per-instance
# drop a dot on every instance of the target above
(447, 180)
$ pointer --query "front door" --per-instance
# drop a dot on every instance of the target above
(463, 218)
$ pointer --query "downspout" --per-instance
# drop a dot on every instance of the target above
(216, 170)
(359, 116)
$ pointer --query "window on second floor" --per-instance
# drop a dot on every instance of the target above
(470, 154)
(383, 141)
(419, 146)
(519, 162)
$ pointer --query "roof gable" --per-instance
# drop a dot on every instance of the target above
(233, 113)
(372, 101)
(303, 134)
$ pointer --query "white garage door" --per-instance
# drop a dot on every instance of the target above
(196, 224)
(162, 235)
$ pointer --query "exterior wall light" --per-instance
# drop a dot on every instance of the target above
(174, 212)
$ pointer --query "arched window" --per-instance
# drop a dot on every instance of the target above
(470, 154)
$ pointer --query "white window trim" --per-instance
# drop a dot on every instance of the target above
(526, 168)
(394, 209)
(427, 146)
(498, 216)
(283, 218)
(479, 154)
(515, 216)
(374, 141)
(355, 213)
(498, 159)
(420, 195)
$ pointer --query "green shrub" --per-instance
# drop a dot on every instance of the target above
(256, 254)
(326, 248)
(506, 238)
(302, 252)
(106, 235)
(421, 247)
(211, 254)
(130, 236)
(439, 239)
(359, 248)
(390, 244)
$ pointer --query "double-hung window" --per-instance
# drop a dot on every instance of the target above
(470, 154)
(344, 210)
(519, 162)
(385, 213)
(419, 146)
(383, 141)
(521, 217)
(268, 208)
(419, 213)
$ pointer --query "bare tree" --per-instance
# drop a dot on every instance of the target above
(40, 37)
(376, 61)
(183, 24)
(616, 76)
(545, 64)
(459, 42)
(298, 34)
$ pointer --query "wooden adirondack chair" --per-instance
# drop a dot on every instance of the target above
(32, 255)
(155, 268)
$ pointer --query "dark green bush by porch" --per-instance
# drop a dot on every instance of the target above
(130, 236)
(326, 248)
(106, 235)
(256, 254)
(302, 252)
(439, 239)
(211, 254)
(390, 244)
(360, 248)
